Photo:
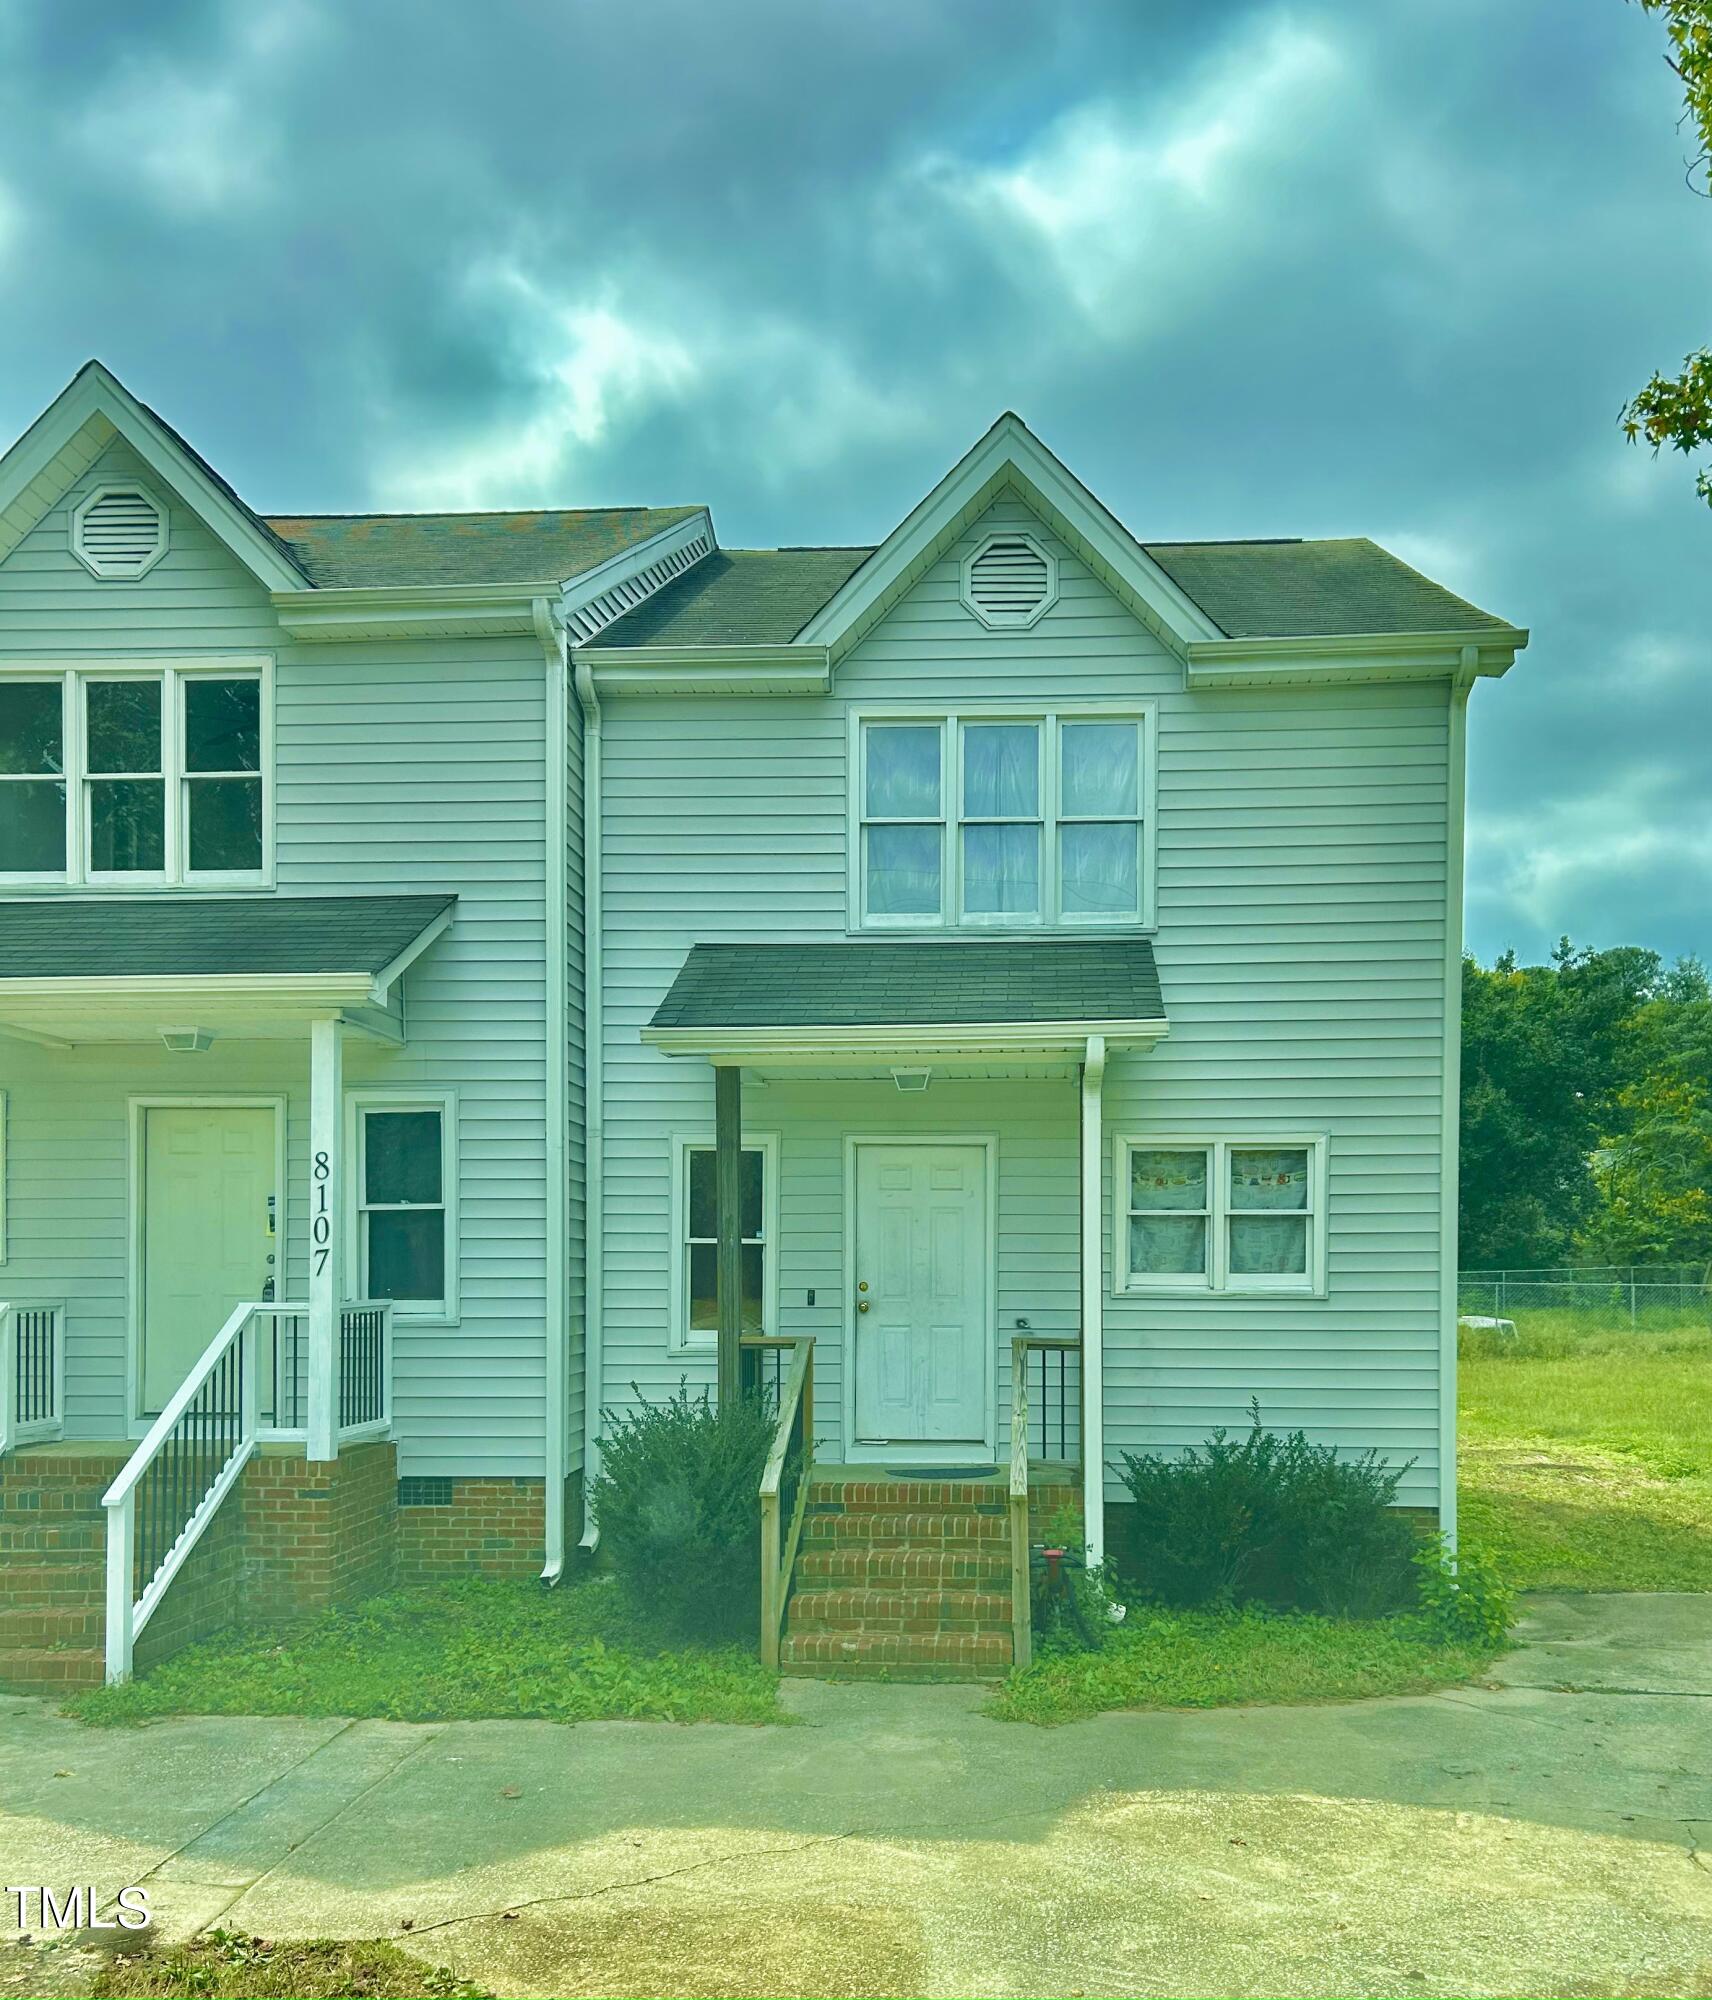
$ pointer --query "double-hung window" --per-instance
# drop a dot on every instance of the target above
(1221, 1215)
(995, 820)
(695, 1205)
(118, 776)
(404, 1177)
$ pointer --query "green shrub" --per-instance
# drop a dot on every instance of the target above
(678, 1513)
(1269, 1519)
(1463, 1597)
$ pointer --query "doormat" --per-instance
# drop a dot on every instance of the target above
(944, 1472)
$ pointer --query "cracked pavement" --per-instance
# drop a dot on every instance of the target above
(1549, 1832)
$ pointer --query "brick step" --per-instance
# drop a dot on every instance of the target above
(906, 1609)
(49, 1510)
(74, 1538)
(36, 1581)
(50, 1624)
(963, 1566)
(931, 1528)
(898, 1655)
(889, 1496)
(50, 1669)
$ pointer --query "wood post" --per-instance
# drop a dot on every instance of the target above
(728, 1222)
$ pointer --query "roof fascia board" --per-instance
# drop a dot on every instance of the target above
(672, 670)
(1351, 657)
(802, 1045)
(96, 393)
(1009, 454)
(589, 584)
(336, 989)
(389, 611)
(401, 961)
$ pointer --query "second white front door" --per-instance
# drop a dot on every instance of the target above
(922, 1305)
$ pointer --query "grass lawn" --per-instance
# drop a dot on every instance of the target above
(1213, 1659)
(1586, 1459)
(462, 1650)
(245, 1968)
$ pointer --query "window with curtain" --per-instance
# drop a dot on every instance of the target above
(998, 820)
(113, 776)
(1222, 1215)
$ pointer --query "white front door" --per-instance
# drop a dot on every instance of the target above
(922, 1313)
(208, 1173)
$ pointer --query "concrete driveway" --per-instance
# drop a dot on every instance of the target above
(1540, 1835)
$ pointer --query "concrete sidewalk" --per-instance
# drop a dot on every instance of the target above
(1541, 1835)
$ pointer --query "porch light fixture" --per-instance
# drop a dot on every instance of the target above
(911, 1079)
(188, 1041)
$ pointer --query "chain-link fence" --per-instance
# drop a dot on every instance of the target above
(1592, 1297)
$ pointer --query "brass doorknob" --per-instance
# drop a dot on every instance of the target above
(861, 1305)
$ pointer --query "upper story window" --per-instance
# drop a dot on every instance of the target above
(119, 776)
(1002, 820)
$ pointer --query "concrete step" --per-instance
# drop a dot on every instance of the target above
(931, 1527)
(32, 1581)
(905, 1608)
(898, 1655)
(962, 1565)
(50, 1669)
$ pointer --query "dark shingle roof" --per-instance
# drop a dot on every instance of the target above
(337, 551)
(184, 936)
(738, 597)
(1287, 590)
(886, 984)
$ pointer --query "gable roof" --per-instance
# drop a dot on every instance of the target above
(345, 551)
(735, 597)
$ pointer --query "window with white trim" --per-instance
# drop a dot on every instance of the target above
(120, 776)
(404, 1179)
(996, 820)
(695, 1210)
(1221, 1215)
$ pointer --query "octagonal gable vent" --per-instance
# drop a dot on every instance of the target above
(119, 531)
(1009, 580)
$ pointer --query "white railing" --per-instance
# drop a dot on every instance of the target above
(175, 1480)
(364, 1408)
(32, 1373)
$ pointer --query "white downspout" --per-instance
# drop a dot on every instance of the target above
(594, 1084)
(554, 648)
(1450, 1105)
(1093, 1326)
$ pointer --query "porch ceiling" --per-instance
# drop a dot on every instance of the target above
(76, 970)
(870, 1002)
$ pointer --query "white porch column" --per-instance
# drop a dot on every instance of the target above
(1093, 1295)
(326, 1247)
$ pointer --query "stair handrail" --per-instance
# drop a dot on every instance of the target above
(128, 1613)
(794, 1427)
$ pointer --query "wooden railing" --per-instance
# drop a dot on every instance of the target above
(1058, 1358)
(32, 1374)
(784, 1478)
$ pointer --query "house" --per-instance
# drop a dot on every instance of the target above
(996, 991)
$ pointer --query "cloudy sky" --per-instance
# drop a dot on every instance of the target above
(1381, 267)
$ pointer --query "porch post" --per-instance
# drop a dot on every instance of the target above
(326, 1210)
(728, 1222)
(1093, 1298)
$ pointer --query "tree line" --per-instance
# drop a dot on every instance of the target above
(1586, 1110)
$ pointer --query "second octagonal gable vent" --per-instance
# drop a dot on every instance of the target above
(1010, 580)
(119, 531)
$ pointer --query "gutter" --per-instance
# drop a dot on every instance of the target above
(554, 652)
(1093, 1300)
(594, 1084)
(1450, 1102)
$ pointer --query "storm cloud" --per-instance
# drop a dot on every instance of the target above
(1250, 269)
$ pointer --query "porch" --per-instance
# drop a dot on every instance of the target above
(191, 1031)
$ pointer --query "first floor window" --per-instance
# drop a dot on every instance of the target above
(404, 1225)
(697, 1315)
(132, 775)
(1222, 1215)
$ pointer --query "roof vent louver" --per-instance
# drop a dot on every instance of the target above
(119, 531)
(1009, 581)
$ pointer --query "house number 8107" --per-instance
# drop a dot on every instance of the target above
(321, 1229)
